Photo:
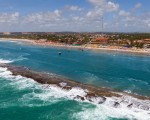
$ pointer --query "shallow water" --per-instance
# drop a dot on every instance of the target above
(26, 99)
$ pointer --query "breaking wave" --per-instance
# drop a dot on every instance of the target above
(50, 94)
(6, 61)
(20, 58)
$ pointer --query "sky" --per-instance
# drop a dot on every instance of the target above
(74, 15)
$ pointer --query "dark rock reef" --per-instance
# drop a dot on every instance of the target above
(92, 92)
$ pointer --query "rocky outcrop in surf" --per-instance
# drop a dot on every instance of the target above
(97, 95)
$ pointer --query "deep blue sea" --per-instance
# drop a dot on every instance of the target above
(23, 98)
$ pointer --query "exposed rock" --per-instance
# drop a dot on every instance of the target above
(144, 107)
(94, 98)
(67, 87)
(130, 105)
(116, 104)
(79, 97)
(101, 100)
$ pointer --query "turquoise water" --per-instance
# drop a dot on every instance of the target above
(25, 99)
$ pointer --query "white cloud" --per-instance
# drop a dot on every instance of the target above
(146, 20)
(97, 2)
(138, 5)
(10, 18)
(129, 16)
(56, 13)
(124, 13)
(73, 8)
(43, 17)
(105, 5)
(110, 7)
(94, 13)
(78, 19)
(101, 7)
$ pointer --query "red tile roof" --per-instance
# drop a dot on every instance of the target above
(104, 39)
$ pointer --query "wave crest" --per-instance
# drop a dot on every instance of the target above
(6, 61)
(51, 94)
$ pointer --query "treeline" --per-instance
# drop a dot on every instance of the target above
(129, 40)
(135, 36)
(61, 38)
(120, 39)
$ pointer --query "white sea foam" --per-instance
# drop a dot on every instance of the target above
(51, 94)
(47, 92)
(107, 110)
(103, 112)
(5, 61)
(140, 81)
(20, 58)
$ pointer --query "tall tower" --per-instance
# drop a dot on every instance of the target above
(102, 26)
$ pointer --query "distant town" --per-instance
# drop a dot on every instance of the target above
(95, 39)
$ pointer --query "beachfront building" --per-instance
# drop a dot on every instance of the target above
(99, 41)
(41, 41)
(6, 33)
(146, 43)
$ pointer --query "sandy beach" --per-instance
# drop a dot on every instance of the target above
(19, 40)
(82, 47)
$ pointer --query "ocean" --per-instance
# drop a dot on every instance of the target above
(23, 98)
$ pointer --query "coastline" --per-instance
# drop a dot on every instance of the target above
(84, 47)
(18, 40)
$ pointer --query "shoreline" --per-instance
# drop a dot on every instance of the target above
(83, 47)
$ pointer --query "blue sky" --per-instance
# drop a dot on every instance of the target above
(74, 15)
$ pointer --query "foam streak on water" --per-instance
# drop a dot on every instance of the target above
(5, 61)
(50, 94)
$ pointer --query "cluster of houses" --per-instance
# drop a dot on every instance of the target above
(91, 39)
(104, 40)
(147, 43)
(99, 40)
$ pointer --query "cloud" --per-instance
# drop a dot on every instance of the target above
(73, 8)
(110, 7)
(146, 19)
(101, 7)
(94, 13)
(105, 5)
(10, 18)
(43, 17)
(138, 5)
(97, 2)
(124, 13)
(75, 18)
(56, 13)
(129, 16)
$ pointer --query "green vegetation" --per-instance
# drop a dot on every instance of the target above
(129, 40)
(66, 38)
(117, 39)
